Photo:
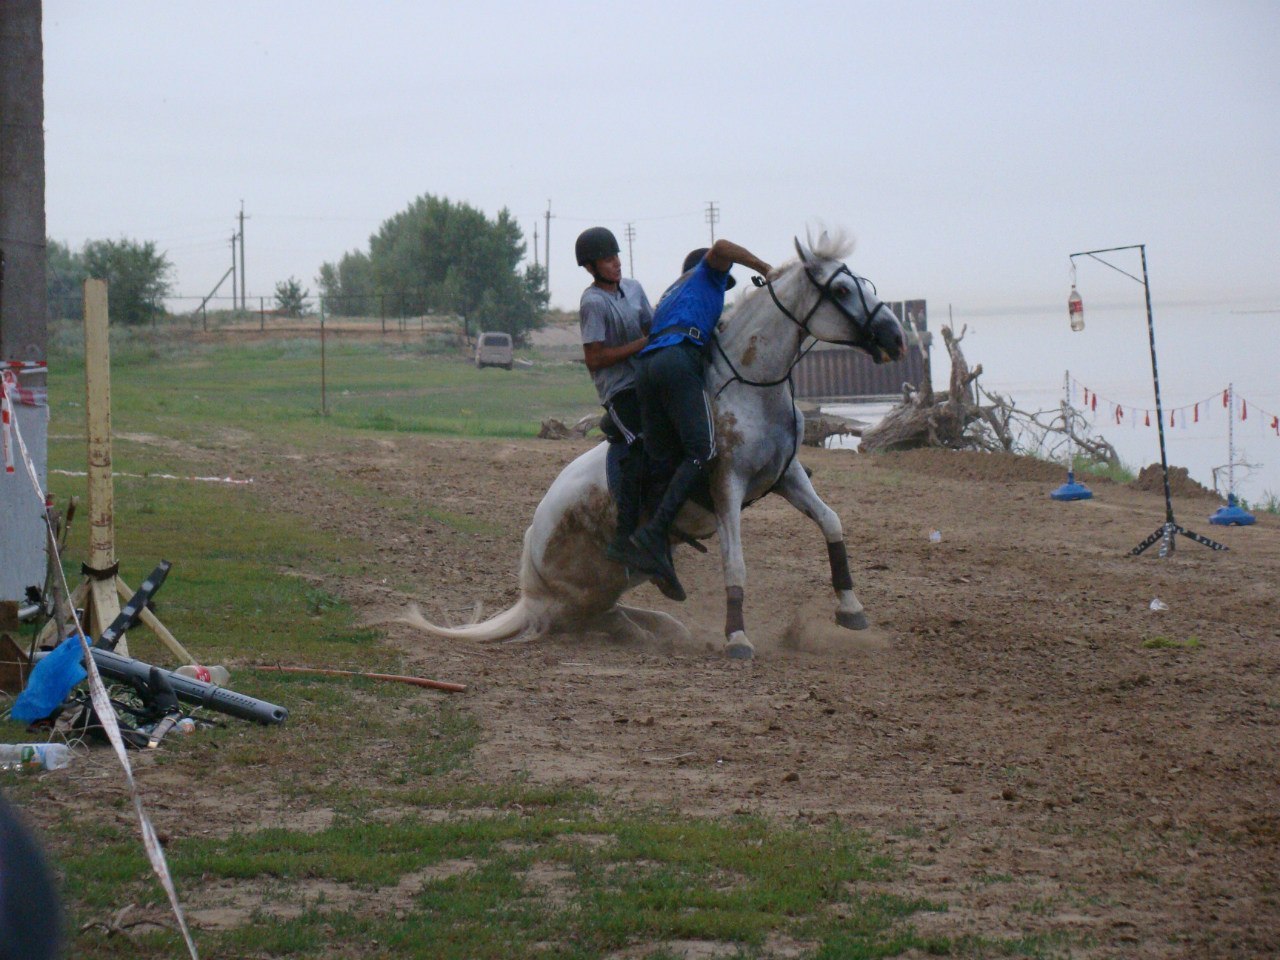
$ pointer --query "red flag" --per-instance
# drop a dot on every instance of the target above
(1275, 425)
(1171, 413)
(1119, 414)
(1094, 403)
(1147, 419)
(1244, 409)
(1196, 418)
(1225, 402)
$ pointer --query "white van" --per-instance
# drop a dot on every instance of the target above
(494, 350)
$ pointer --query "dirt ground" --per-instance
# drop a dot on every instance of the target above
(1045, 751)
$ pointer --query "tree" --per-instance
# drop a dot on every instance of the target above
(291, 299)
(439, 255)
(137, 275)
(65, 274)
(347, 286)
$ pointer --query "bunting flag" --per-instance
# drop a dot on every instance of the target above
(1183, 416)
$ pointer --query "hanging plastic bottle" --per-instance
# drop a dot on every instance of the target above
(1075, 309)
(34, 756)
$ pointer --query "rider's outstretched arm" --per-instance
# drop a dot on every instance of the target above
(725, 253)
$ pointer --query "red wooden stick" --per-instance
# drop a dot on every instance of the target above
(414, 681)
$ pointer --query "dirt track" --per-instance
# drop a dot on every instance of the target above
(1001, 725)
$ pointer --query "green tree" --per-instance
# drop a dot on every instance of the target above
(64, 281)
(347, 286)
(437, 255)
(137, 275)
(291, 299)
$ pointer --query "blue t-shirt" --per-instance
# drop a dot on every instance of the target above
(689, 309)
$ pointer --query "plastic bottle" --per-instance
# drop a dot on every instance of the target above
(1075, 309)
(198, 671)
(34, 756)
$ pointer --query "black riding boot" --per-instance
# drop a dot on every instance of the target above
(653, 538)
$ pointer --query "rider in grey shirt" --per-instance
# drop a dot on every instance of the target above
(614, 318)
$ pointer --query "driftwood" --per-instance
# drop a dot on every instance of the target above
(553, 429)
(819, 427)
(969, 417)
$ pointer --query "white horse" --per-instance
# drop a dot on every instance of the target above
(565, 580)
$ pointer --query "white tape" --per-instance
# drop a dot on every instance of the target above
(107, 716)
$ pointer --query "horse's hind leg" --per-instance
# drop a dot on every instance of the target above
(799, 492)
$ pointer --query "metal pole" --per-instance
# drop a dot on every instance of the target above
(1165, 534)
(235, 290)
(244, 300)
(547, 258)
(324, 403)
(1155, 377)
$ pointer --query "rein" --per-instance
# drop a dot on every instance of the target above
(824, 296)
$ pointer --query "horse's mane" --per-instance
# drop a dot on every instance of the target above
(831, 245)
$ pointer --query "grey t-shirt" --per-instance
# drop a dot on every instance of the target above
(614, 319)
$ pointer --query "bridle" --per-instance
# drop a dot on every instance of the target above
(824, 296)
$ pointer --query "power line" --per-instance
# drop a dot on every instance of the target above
(712, 218)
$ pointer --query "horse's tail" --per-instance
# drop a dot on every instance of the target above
(527, 619)
(511, 623)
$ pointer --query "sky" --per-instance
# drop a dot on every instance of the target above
(968, 148)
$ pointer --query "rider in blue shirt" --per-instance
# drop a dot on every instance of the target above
(679, 426)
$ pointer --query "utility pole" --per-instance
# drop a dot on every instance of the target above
(631, 260)
(713, 217)
(547, 240)
(24, 303)
(535, 243)
(244, 300)
(235, 290)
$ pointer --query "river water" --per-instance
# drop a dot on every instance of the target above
(1200, 350)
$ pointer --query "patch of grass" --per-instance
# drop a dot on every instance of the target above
(1268, 503)
(1115, 472)
(588, 884)
(1160, 642)
(200, 388)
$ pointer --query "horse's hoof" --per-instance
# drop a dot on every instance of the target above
(739, 647)
(852, 621)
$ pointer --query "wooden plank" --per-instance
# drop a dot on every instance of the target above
(97, 379)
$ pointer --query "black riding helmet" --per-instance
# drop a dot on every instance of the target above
(595, 243)
(692, 259)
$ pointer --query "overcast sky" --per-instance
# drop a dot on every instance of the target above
(969, 147)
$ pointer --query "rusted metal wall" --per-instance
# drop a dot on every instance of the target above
(846, 373)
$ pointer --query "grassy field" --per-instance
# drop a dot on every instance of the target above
(358, 829)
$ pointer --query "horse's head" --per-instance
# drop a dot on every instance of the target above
(848, 311)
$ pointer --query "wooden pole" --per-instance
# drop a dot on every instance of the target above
(102, 587)
(104, 605)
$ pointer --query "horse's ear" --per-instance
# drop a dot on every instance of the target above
(805, 256)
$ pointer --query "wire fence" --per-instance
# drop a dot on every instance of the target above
(398, 312)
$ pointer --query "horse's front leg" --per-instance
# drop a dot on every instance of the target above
(799, 492)
(729, 533)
